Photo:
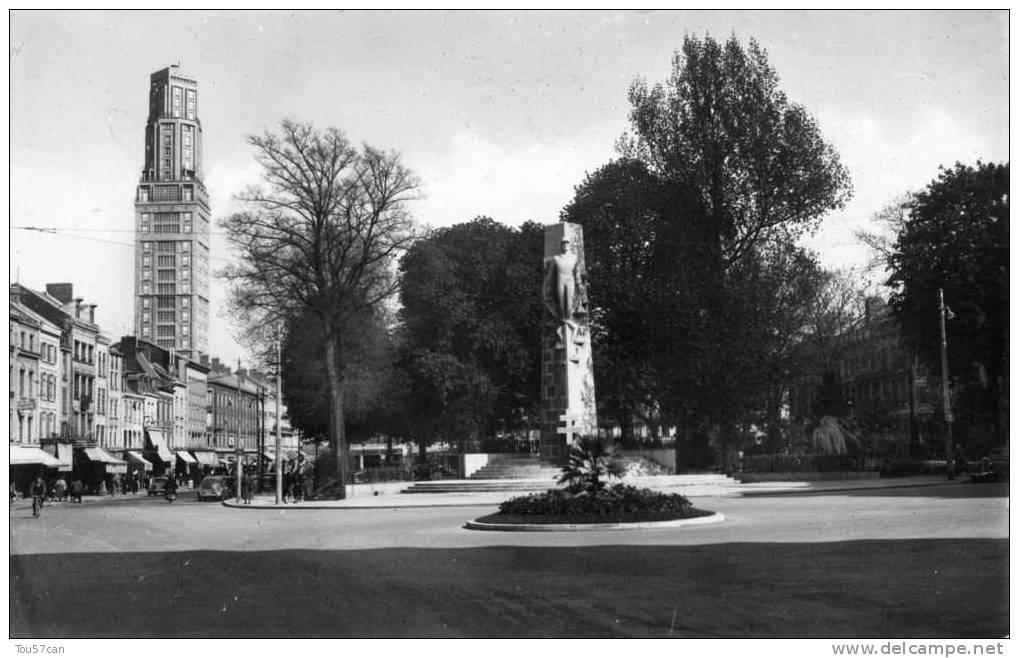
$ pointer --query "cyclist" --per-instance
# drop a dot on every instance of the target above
(38, 493)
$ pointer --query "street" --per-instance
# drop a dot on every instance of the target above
(923, 562)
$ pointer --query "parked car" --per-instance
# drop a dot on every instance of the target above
(992, 468)
(215, 487)
(157, 486)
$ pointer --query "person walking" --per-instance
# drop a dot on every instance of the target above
(77, 490)
(246, 486)
(38, 493)
(171, 490)
(60, 489)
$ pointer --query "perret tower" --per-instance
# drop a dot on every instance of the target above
(171, 280)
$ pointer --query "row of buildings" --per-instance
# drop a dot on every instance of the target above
(81, 401)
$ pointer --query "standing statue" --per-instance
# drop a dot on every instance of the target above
(561, 278)
(564, 295)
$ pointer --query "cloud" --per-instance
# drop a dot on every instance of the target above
(884, 164)
(510, 183)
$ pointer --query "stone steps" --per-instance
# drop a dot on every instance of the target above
(699, 483)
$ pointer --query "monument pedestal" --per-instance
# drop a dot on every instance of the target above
(567, 370)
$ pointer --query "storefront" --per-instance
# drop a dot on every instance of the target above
(157, 452)
(207, 461)
(98, 468)
(27, 462)
(188, 466)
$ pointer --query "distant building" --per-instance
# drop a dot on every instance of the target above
(878, 375)
(172, 221)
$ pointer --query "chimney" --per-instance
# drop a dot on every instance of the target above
(62, 291)
(204, 359)
(92, 313)
(77, 307)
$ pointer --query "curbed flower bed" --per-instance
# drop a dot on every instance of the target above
(616, 504)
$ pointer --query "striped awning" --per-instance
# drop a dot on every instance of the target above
(186, 457)
(155, 438)
(136, 457)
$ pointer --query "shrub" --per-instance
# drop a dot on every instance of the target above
(616, 499)
(591, 459)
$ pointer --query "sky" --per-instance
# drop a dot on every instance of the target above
(498, 113)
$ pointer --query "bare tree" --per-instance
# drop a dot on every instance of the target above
(320, 241)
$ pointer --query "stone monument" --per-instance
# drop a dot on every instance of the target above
(567, 370)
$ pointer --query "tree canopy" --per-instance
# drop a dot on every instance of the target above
(469, 327)
(955, 237)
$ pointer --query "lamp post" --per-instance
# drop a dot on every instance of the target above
(949, 445)
(279, 463)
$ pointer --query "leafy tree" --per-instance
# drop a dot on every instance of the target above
(722, 128)
(469, 327)
(320, 242)
(748, 172)
(956, 238)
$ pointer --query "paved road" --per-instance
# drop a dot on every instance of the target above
(927, 562)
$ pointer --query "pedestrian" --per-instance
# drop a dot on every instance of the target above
(246, 488)
(60, 489)
(171, 490)
(38, 493)
(77, 490)
(298, 486)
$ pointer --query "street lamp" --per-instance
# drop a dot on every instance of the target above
(949, 445)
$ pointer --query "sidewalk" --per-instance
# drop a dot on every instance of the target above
(378, 497)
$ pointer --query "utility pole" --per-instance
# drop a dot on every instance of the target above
(949, 445)
(279, 438)
(239, 451)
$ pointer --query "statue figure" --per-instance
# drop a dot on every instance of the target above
(564, 295)
(561, 282)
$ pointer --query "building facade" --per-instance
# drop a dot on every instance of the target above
(172, 221)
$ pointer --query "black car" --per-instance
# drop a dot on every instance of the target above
(215, 487)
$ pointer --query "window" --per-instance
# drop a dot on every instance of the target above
(146, 246)
(166, 275)
(146, 274)
(145, 288)
(166, 247)
(185, 246)
(166, 261)
(189, 193)
(192, 102)
(165, 330)
(165, 316)
(164, 302)
(185, 259)
(185, 273)
(184, 302)
(146, 260)
(143, 194)
(146, 302)
(184, 315)
(185, 287)
(167, 289)
(176, 103)
(184, 330)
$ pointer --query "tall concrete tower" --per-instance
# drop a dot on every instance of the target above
(171, 280)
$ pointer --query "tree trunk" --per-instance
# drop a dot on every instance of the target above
(337, 423)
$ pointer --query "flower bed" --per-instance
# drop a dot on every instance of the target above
(616, 504)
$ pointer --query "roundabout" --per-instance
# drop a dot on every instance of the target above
(478, 524)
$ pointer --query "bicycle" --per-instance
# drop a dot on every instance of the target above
(36, 505)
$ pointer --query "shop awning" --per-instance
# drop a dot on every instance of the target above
(185, 457)
(64, 453)
(112, 464)
(136, 457)
(271, 456)
(206, 458)
(290, 456)
(155, 437)
(29, 455)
